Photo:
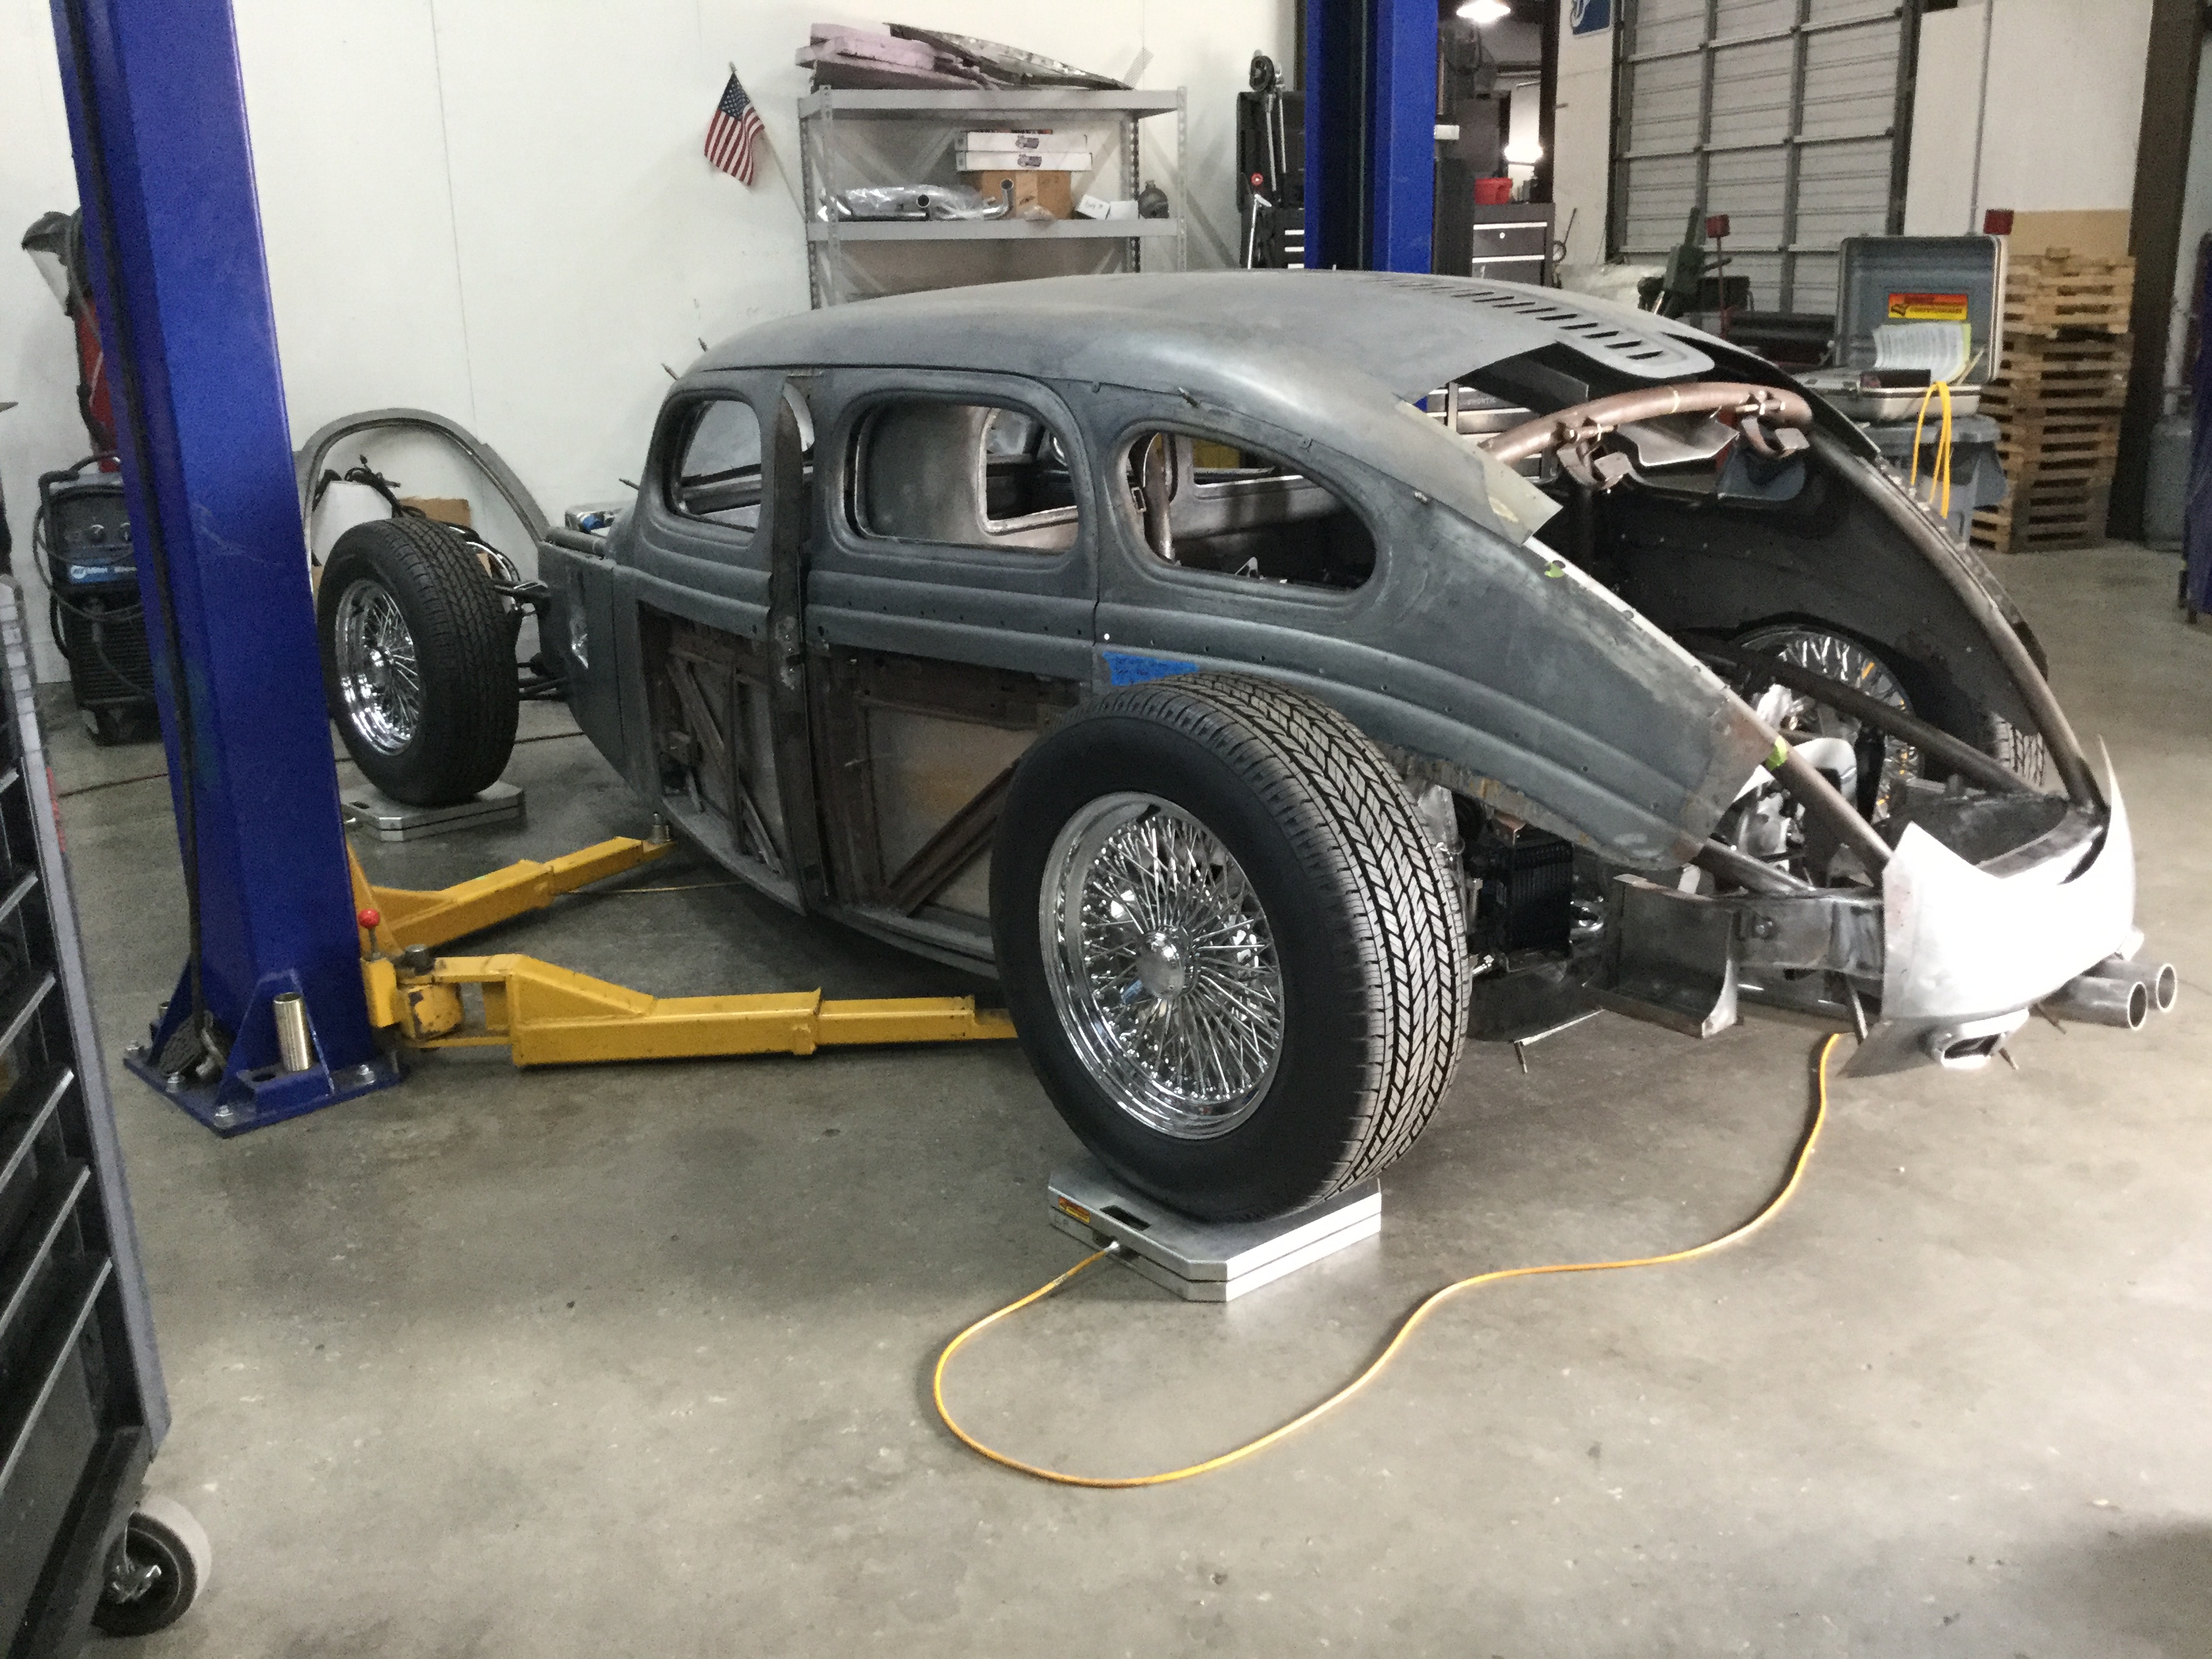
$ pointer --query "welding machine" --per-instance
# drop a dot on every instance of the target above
(82, 534)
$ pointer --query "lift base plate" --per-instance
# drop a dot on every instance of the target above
(1205, 1260)
(387, 819)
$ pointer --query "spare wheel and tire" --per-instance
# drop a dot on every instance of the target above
(1232, 954)
(418, 662)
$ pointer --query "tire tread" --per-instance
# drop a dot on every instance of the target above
(1346, 810)
(462, 650)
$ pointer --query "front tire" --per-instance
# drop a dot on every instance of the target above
(1232, 951)
(418, 664)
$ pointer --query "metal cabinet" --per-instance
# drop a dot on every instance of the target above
(81, 1405)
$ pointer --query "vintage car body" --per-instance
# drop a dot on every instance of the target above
(835, 713)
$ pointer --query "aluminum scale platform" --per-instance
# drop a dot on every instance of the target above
(1206, 1261)
(393, 820)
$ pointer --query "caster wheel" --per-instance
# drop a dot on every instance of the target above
(158, 1570)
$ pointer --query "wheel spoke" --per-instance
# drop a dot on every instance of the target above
(1164, 967)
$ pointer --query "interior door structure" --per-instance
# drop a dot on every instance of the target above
(713, 729)
(950, 597)
(1792, 117)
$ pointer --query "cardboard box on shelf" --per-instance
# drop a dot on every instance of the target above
(1036, 188)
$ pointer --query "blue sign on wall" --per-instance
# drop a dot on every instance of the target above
(1589, 16)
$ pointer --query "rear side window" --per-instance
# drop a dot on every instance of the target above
(1210, 504)
(718, 467)
(963, 475)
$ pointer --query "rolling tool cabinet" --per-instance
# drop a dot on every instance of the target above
(81, 1405)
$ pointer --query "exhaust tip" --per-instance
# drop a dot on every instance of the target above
(2103, 999)
(1971, 1044)
(1968, 1053)
(2164, 988)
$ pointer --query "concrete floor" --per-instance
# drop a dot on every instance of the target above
(636, 1361)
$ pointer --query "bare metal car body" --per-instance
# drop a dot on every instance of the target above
(829, 712)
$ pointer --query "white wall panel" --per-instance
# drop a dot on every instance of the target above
(2065, 107)
(1581, 136)
(38, 355)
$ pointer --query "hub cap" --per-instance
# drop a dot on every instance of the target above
(1161, 965)
(378, 681)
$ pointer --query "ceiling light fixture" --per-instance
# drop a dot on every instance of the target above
(1483, 13)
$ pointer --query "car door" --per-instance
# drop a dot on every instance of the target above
(951, 588)
(715, 732)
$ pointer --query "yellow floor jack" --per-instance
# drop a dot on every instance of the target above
(545, 1015)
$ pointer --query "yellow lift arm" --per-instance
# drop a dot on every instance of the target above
(549, 1016)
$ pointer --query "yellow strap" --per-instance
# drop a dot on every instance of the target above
(1767, 1212)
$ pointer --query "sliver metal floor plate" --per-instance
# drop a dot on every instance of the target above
(392, 820)
(1201, 1261)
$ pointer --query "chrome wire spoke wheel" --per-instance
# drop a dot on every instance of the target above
(1161, 965)
(379, 680)
(1844, 661)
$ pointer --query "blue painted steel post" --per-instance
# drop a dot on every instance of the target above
(1371, 86)
(1402, 142)
(157, 117)
(1336, 133)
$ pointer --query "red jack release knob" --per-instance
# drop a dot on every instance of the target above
(369, 918)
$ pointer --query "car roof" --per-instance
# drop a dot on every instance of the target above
(1410, 334)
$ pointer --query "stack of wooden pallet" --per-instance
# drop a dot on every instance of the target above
(2057, 396)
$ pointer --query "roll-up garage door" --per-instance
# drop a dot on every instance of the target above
(1792, 117)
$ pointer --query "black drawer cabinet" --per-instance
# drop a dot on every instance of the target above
(81, 1406)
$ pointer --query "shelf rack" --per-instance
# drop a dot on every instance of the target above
(850, 138)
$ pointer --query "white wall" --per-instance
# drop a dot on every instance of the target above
(2062, 118)
(497, 209)
(2065, 104)
(1939, 187)
(37, 353)
(1581, 136)
(2065, 101)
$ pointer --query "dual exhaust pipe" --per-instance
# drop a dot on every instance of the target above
(2116, 991)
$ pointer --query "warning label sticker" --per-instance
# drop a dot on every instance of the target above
(1927, 308)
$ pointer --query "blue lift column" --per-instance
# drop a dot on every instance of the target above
(1371, 86)
(157, 117)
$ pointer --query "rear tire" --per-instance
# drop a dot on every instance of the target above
(418, 662)
(1336, 935)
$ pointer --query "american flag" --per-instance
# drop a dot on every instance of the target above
(734, 132)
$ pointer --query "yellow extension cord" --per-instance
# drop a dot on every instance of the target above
(1772, 1208)
(1939, 474)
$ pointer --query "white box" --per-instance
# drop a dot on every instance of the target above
(1006, 160)
(1004, 138)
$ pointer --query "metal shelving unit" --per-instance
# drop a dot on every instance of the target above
(848, 139)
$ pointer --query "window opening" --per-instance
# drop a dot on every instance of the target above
(962, 474)
(1209, 504)
(718, 476)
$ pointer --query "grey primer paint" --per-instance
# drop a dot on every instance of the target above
(1531, 656)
